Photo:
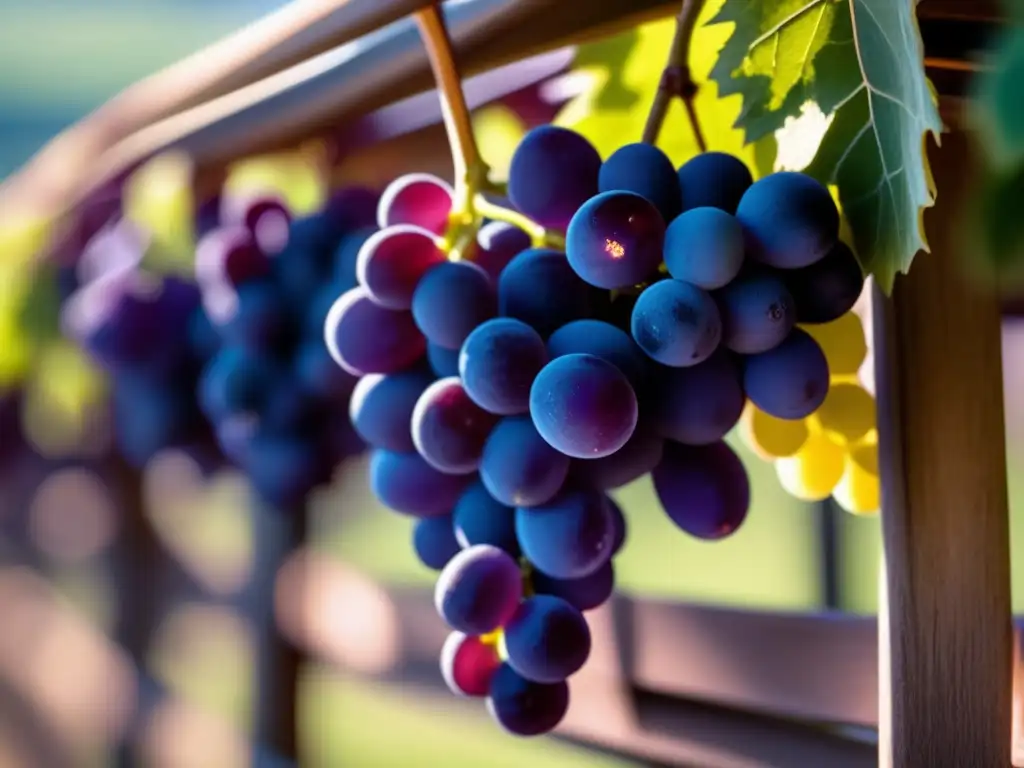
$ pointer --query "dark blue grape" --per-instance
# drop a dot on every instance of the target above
(480, 519)
(519, 467)
(700, 404)
(258, 318)
(497, 244)
(583, 406)
(603, 340)
(351, 208)
(478, 590)
(299, 272)
(318, 375)
(433, 538)
(405, 483)
(584, 594)
(235, 381)
(443, 362)
(498, 363)
(203, 339)
(346, 256)
(828, 289)
(552, 173)
(539, 288)
(547, 639)
(524, 708)
(676, 324)
(789, 219)
(451, 300)
(381, 407)
(704, 489)
(392, 261)
(570, 536)
(646, 170)
(366, 338)
(757, 312)
(448, 429)
(283, 470)
(287, 406)
(316, 308)
(714, 179)
(615, 240)
(704, 247)
(149, 417)
(636, 458)
(789, 381)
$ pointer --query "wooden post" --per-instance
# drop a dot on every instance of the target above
(945, 511)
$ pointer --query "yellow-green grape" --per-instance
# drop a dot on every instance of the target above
(813, 472)
(859, 490)
(771, 438)
(843, 343)
(848, 412)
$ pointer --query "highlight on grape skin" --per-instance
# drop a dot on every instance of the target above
(498, 362)
(790, 219)
(381, 407)
(570, 536)
(552, 173)
(479, 590)
(448, 429)
(676, 324)
(615, 240)
(583, 406)
(468, 664)
(364, 337)
(391, 263)
(416, 198)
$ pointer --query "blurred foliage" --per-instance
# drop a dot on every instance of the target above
(625, 71)
(862, 63)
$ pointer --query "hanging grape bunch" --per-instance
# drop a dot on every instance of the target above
(277, 402)
(518, 360)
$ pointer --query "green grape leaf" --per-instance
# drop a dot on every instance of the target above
(861, 62)
(625, 71)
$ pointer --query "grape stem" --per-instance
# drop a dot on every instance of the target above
(676, 80)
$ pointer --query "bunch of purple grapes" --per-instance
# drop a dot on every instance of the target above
(506, 394)
(277, 401)
(148, 331)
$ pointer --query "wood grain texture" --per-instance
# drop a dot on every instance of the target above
(945, 511)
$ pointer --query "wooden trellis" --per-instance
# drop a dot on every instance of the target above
(669, 682)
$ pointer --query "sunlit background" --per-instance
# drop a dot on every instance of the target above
(73, 526)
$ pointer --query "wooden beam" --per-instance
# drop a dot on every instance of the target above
(945, 511)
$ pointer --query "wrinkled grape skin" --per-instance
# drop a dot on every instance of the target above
(704, 490)
(676, 324)
(498, 363)
(416, 198)
(789, 220)
(704, 247)
(547, 639)
(645, 170)
(392, 262)
(525, 708)
(827, 289)
(448, 429)
(478, 590)
(539, 288)
(700, 404)
(381, 408)
(366, 338)
(405, 483)
(552, 173)
(519, 468)
(434, 541)
(479, 518)
(757, 312)
(451, 300)
(569, 537)
(468, 664)
(583, 406)
(789, 381)
(715, 180)
(615, 240)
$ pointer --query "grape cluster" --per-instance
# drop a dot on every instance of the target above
(507, 387)
(277, 401)
(130, 320)
(834, 451)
